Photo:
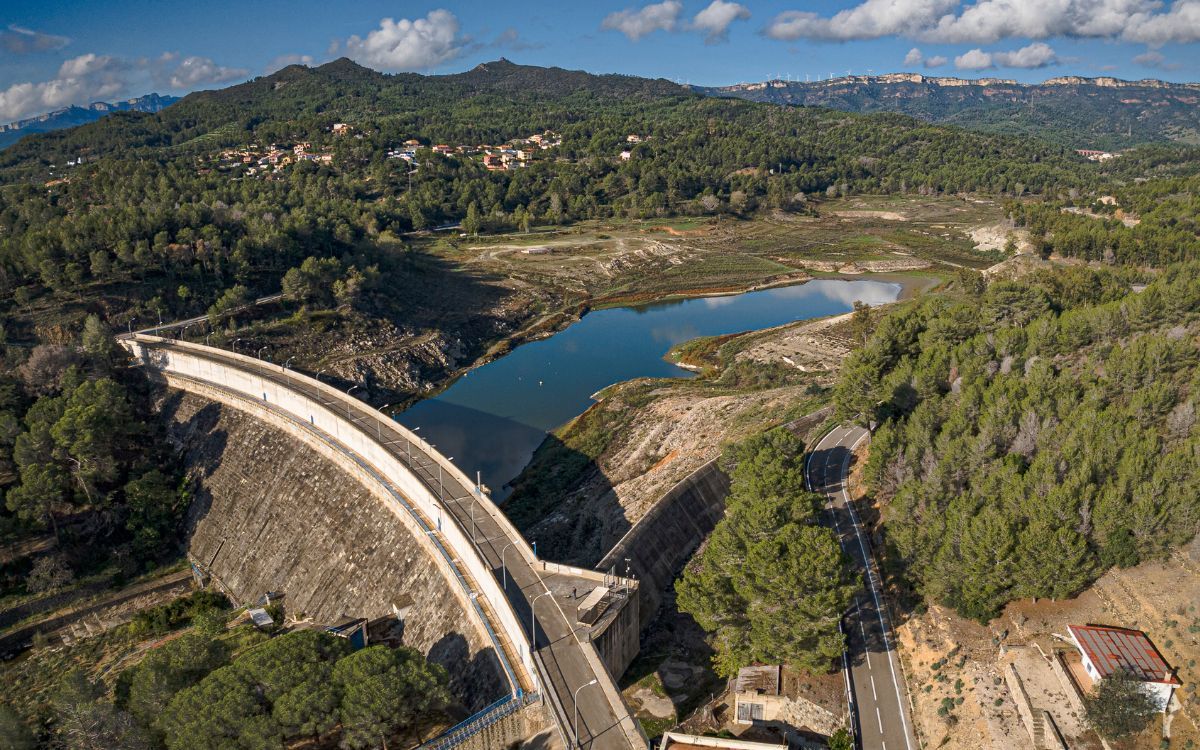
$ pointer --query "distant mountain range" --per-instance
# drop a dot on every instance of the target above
(1101, 113)
(69, 117)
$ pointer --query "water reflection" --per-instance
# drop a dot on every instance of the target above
(493, 420)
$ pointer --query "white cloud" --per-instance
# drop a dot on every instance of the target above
(199, 71)
(916, 57)
(418, 44)
(1155, 59)
(636, 24)
(281, 62)
(714, 21)
(1036, 55)
(1181, 24)
(870, 20)
(976, 59)
(18, 40)
(91, 77)
(80, 80)
(988, 21)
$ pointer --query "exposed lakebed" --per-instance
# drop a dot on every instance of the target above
(493, 419)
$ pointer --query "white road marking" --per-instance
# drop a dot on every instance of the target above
(875, 596)
(873, 693)
(879, 719)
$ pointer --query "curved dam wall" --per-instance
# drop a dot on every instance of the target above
(660, 543)
(441, 510)
(270, 513)
(324, 419)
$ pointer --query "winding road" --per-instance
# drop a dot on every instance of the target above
(874, 680)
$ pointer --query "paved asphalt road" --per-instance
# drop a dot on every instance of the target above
(556, 640)
(879, 700)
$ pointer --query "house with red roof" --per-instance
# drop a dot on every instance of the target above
(1107, 651)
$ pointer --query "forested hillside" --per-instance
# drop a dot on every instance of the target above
(1032, 434)
(153, 223)
(1084, 113)
(1150, 218)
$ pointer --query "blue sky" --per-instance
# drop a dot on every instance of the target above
(53, 54)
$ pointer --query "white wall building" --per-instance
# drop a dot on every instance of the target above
(1107, 651)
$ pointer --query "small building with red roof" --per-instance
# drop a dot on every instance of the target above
(1107, 651)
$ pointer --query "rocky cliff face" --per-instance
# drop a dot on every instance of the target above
(271, 515)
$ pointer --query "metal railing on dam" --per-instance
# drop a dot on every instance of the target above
(491, 567)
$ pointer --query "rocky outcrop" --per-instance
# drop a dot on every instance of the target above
(270, 514)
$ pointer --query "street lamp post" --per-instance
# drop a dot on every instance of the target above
(260, 351)
(235, 343)
(504, 565)
(575, 700)
(378, 433)
(533, 621)
(410, 444)
(348, 416)
(286, 365)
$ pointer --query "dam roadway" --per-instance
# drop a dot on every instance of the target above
(874, 679)
(503, 580)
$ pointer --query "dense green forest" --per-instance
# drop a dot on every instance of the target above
(82, 458)
(1034, 433)
(218, 688)
(771, 584)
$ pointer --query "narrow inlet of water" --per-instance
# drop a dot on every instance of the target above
(494, 418)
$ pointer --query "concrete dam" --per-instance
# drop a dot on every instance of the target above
(309, 491)
(272, 514)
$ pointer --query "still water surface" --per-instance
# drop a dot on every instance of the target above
(493, 419)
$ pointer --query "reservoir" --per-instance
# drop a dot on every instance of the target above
(494, 418)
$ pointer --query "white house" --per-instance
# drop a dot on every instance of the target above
(1107, 651)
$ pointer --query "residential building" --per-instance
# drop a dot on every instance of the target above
(1107, 651)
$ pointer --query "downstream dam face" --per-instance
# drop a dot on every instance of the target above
(272, 514)
(308, 492)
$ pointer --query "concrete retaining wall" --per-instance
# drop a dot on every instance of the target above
(660, 543)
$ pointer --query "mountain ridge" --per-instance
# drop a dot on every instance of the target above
(1075, 111)
(69, 117)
